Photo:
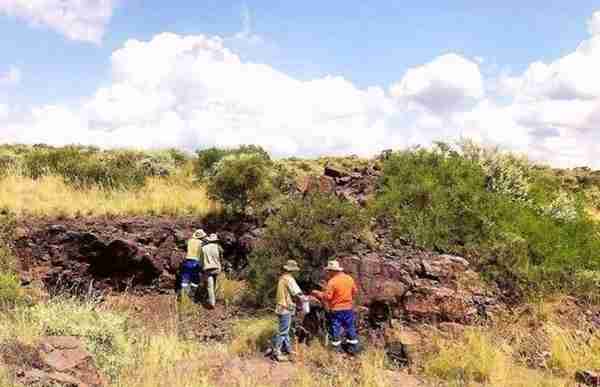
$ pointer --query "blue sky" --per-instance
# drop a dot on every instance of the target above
(306, 39)
(368, 44)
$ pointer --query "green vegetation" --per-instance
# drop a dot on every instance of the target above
(208, 158)
(85, 167)
(502, 213)
(310, 230)
(241, 180)
(11, 294)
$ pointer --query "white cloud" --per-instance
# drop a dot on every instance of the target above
(83, 20)
(448, 83)
(11, 77)
(192, 91)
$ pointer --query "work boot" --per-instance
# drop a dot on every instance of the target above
(280, 358)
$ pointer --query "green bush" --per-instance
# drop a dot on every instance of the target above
(118, 171)
(241, 180)
(310, 230)
(442, 200)
(87, 167)
(208, 158)
(11, 294)
(436, 199)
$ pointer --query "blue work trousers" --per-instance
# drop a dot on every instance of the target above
(342, 321)
(190, 274)
(281, 340)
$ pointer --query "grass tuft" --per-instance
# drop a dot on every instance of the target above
(252, 335)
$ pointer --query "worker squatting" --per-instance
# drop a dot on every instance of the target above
(204, 255)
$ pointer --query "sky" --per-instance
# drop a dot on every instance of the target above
(304, 78)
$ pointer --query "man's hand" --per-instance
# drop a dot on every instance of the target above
(317, 294)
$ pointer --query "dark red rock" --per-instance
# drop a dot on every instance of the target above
(335, 172)
(588, 378)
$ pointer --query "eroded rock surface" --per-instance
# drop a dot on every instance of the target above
(57, 361)
(141, 254)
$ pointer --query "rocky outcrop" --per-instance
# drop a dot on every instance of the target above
(56, 361)
(356, 186)
(417, 285)
(142, 254)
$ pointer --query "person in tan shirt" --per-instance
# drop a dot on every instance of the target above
(287, 291)
(338, 298)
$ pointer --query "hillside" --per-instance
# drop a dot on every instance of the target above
(475, 266)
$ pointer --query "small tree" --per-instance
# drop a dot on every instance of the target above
(241, 180)
(208, 158)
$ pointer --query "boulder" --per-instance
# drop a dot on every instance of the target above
(63, 353)
(334, 172)
(326, 185)
(63, 362)
(438, 304)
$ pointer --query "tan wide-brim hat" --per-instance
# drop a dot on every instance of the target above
(199, 234)
(334, 266)
(212, 238)
(291, 265)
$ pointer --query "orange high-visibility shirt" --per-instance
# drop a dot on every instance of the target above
(340, 292)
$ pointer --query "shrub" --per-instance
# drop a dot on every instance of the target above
(11, 294)
(240, 181)
(440, 199)
(436, 199)
(311, 231)
(506, 173)
(118, 171)
(208, 158)
(86, 167)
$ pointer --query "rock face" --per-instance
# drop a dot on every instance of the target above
(355, 186)
(123, 253)
(416, 285)
(57, 361)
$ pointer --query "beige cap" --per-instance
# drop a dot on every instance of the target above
(334, 266)
(291, 265)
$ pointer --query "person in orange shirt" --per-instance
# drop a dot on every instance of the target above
(338, 298)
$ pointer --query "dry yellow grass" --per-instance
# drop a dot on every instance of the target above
(482, 357)
(166, 360)
(50, 196)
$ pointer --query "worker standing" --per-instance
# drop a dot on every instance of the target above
(338, 298)
(191, 266)
(212, 254)
(287, 291)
